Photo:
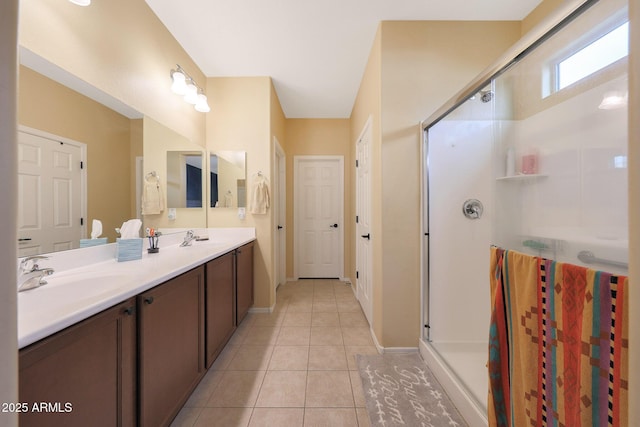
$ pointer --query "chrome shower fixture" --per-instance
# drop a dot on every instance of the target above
(486, 95)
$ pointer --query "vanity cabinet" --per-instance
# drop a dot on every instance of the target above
(84, 375)
(170, 346)
(220, 308)
(244, 280)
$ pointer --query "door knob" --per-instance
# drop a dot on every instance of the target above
(367, 236)
(334, 226)
(280, 227)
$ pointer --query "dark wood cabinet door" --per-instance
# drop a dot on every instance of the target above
(244, 280)
(170, 346)
(84, 375)
(220, 307)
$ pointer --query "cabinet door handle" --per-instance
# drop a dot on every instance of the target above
(238, 251)
(148, 300)
(367, 236)
(129, 311)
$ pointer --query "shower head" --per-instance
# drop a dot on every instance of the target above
(486, 96)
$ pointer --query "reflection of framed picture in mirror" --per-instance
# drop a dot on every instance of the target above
(227, 178)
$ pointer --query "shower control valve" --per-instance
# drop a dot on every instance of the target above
(472, 208)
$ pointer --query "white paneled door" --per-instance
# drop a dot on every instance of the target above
(319, 211)
(363, 222)
(50, 195)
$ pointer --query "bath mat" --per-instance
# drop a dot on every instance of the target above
(400, 389)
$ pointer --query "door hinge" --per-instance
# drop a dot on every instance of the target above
(81, 165)
(357, 219)
(357, 275)
(357, 163)
(81, 221)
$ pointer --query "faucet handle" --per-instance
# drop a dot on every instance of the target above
(30, 263)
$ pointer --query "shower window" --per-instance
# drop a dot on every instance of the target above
(608, 49)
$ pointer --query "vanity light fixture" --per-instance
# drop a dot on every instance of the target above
(81, 2)
(183, 84)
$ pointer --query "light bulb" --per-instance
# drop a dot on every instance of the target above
(191, 96)
(81, 2)
(179, 84)
(202, 105)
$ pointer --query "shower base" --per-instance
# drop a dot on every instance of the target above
(461, 369)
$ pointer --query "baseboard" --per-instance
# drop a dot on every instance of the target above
(467, 405)
(262, 309)
(383, 350)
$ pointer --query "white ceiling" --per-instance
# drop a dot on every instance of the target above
(316, 53)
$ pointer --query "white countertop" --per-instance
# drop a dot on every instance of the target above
(90, 280)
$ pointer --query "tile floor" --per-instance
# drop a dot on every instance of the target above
(293, 367)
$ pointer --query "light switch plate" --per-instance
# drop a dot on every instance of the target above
(241, 213)
(172, 214)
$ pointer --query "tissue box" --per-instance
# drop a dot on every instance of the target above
(128, 249)
(85, 243)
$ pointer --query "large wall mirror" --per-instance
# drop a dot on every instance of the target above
(228, 179)
(119, 146)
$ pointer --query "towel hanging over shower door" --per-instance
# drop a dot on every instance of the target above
(558, 344)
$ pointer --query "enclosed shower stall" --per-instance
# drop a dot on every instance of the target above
(531, 156)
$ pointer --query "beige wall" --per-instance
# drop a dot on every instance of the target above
(240, 119)
(51, 107)
(634, 213)
(119, 47)
(8, 210)
(307, 137)
(136, 147)
(422, 65)
(543, 10)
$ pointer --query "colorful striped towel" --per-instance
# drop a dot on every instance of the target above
(558, 344)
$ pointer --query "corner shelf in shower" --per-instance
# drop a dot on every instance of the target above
(522, 177)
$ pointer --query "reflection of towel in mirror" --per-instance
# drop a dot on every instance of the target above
(152, 197)
(260, 195)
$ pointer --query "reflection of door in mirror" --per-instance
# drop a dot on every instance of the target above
(51, 184)
(228, 188)
(184, 179)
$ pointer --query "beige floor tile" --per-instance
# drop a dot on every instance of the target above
(297, 319)
(262, 335)
(224, 417)
(357, 336)
(326, 335)
(269, 319)
(225, 357)
(358, 391)
(237, 389)
(329, 389)
(352, 351)
(283, 389)
(289, 358)
(187, 417)
(277, 417)
(363, 417)
(330, 417)
(325, 319)
(251, 358)
(204, 390)
(327, 358)
(297, 305)
(294, 335)
(346, 305)
(353, 319)
(323, 306)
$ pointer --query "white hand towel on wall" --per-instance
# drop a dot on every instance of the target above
(152, 196)
(260, 195)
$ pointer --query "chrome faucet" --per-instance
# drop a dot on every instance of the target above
(30, 275)
(188, 238)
